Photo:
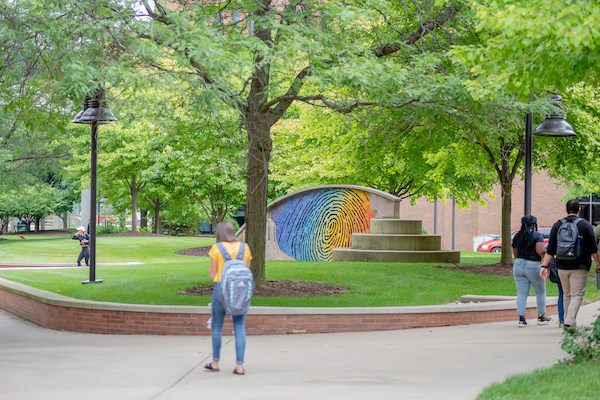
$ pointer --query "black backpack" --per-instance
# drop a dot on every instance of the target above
(567, 240)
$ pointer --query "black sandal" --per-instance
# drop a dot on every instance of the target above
(210, 368)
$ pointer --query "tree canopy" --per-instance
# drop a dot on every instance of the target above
(528, 46)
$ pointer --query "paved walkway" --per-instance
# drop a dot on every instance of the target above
(28, 265)
(430, 363)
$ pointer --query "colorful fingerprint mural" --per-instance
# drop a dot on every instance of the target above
(311, 224)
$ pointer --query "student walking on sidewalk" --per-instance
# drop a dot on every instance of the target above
(573, 265)
(528, 249)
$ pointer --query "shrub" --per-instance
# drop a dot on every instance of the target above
(583, 343)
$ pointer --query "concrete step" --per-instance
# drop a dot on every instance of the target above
(354, 255)
(397, 226)
(372, 241)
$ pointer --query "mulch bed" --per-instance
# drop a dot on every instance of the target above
(130, 233)
(309, 289)
(195, 251)
(490, 269)
(279, 288)
(271, 288)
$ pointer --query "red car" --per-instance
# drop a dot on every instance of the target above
(495, 245)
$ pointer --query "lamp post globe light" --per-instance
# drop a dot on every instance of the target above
(554, 125)
(94, 113)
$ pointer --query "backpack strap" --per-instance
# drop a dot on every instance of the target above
(240, 254)
(223, 251)
(227, 256)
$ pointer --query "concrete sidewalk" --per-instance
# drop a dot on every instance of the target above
(430, 363)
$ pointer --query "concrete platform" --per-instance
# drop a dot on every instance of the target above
(400, 256)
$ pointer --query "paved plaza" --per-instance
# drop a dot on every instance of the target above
(429, 363)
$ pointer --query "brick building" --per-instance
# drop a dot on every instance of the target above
(548, 204)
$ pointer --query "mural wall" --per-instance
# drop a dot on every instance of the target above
(308, 224)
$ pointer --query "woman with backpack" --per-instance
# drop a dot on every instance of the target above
(226, 237)
(528, 249)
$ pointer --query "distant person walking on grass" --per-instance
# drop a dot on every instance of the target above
(573, 242)
(528, 248)
(84, 241)
(226, 237)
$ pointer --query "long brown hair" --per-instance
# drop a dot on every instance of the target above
(225, 232)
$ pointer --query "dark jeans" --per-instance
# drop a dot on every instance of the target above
(561, 308)
(85, 252)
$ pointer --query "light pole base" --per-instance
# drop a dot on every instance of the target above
(96, 281)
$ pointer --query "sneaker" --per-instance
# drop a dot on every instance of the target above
(543, 320)
(569, 330)
(561, 324)
(522, 322)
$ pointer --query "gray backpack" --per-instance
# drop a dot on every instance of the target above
(237, 282)
(567, 240)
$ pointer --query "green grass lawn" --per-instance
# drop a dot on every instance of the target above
(163, 274)
(562, 381)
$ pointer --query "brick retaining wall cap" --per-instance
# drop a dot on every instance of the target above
(477, 303)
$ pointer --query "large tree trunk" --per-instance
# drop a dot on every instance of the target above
(134, 193)
(259, 153)
(143, 218)
(134, 189)
(506, 181)
(157, 219)
(65, 217)
(258, 126)
(506, 258)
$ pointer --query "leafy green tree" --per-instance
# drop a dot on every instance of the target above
(260, 57)
(206, 162)
(452, 146)
(124, 155)
(573, 161)
(257, 57)
(31, 203)
(530, 46)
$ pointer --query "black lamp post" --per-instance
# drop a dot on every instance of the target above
(94, 112)
(555, 125)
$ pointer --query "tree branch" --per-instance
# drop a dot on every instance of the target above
(37, 157)
(283, 102)
(424, 29)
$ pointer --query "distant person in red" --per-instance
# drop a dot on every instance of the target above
(84, 241)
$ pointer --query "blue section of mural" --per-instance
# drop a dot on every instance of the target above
(311, 224)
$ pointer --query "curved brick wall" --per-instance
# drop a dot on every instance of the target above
(54, 311)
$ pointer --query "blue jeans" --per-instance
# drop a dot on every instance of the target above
(239, 328)
(561, 307)
(527, 273)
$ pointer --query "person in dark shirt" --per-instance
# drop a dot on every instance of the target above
(528, 249)
(573, 273)
(84, 241)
